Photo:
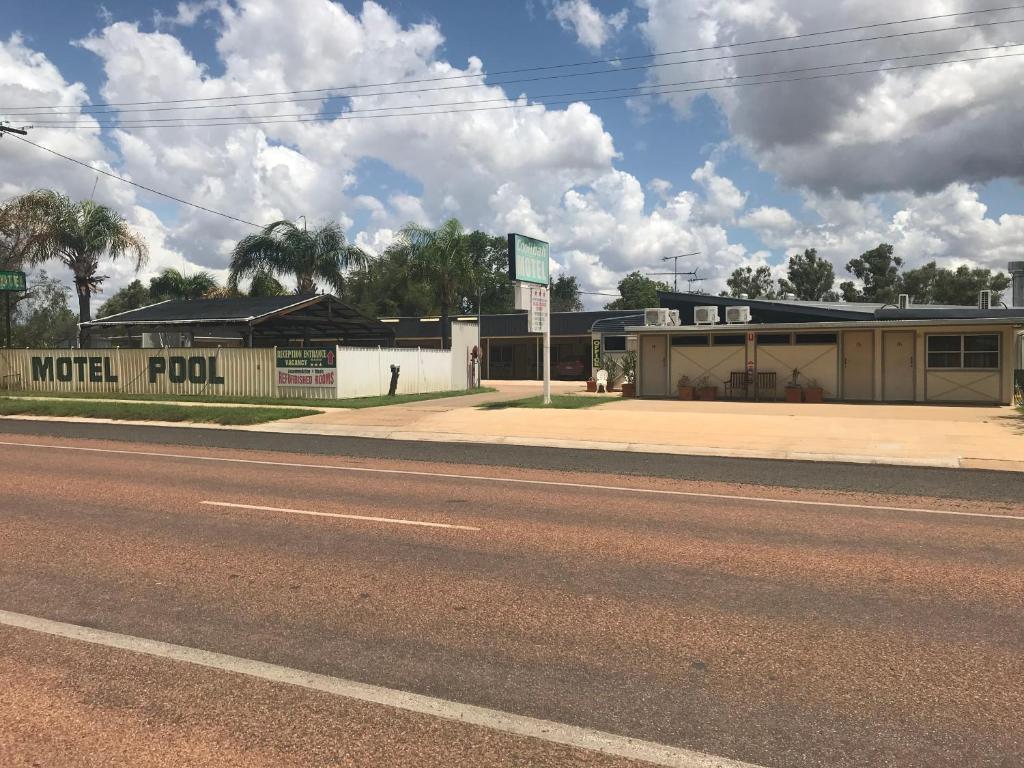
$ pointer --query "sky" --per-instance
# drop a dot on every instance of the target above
(697, 157)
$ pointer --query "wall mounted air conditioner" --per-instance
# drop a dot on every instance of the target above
(657, 316)
(984, 299)
(737, 315)
(904, 301)
(705, 315)
(674, 315)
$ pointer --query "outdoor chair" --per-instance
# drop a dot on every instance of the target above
(602, 381)
(766, 382)
(737, 381)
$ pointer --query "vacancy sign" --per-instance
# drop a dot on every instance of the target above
(539, 316)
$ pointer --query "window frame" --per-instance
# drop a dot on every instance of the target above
(963, 352)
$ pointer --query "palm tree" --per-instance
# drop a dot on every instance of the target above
(172, 284)
(440, 257)
(79, 234)
(283, 249)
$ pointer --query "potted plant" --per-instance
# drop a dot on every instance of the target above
(627, 367)
(706, 390)
(814, 392)
(794, 392)
(592, 383)
(685, 388)
(614, 368)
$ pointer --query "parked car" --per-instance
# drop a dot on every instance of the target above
(570, 368)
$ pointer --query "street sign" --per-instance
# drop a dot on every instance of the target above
(307, 367)
(528, 260)
(539, 318)
(12, 281)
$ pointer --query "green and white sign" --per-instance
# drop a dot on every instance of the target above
(528, 260)
(12, 281)
(307, 367)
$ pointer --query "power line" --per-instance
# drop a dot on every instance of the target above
(179, 121)
(140, 186)
(256, 120)
(326, 92)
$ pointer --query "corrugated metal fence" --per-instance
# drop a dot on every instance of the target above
(215, 371)
(187, 371)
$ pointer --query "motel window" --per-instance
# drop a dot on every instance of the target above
(690, 341)
(965, 351)
(614, 343)
(775, 339)
(729, 340)
(815, 338)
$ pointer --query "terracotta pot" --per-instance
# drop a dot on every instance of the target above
(686, 393)
(814, 395)
(794, 395)
(591, 385)
(707, 393)
(628, 390)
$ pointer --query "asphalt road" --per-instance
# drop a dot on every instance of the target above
(772, 624)
(874, 478)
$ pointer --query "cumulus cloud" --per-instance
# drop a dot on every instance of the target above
(592, 28)
(909, 130)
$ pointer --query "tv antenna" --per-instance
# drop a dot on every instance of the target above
(691, 275)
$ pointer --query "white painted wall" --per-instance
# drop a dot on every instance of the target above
(365, 372)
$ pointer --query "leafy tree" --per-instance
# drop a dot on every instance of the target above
(283, 249)
(440, 257)
(879, 272)
(961, 286)
(44, 318)
(132, 296)
(79, 235)
(809, 277)
(637, 291)
(387, 286)
(172, 284)
(265, 284)
(919, 283)
(565, 294)
(756, 284)
(488, 256)
(20, 226)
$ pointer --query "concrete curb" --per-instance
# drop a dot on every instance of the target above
(383, 433)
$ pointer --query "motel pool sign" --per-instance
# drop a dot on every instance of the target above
(307, 367)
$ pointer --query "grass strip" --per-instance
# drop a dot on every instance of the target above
(149, 411)
(557, 401)
(354, 402)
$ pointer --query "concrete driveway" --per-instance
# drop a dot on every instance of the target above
(926, 435)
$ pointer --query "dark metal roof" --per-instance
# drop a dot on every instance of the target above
(949, 313)
(272, 319)
(513, 324)
(769, 310)
(242, 309)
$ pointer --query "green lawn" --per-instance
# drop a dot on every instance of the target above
(355, 402)
(557, 401)
(148, 411)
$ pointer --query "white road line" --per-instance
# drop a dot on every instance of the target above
(518, 481)
(393, 520)
(545, 730)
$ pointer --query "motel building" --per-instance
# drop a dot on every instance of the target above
(854, 352)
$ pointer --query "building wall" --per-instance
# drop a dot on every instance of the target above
(367, 372)
(823, 362)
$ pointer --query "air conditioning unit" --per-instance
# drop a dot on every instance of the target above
(674, 314)
(984, 299)
(904, 301)
(705, 315)
(737, 315)
(657, 316)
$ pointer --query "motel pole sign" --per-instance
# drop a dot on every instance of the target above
(10, 282)
(529, 267)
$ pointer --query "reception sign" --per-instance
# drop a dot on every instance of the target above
(307, 367)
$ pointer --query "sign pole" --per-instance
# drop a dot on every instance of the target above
(529, 268)
(7, 319)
